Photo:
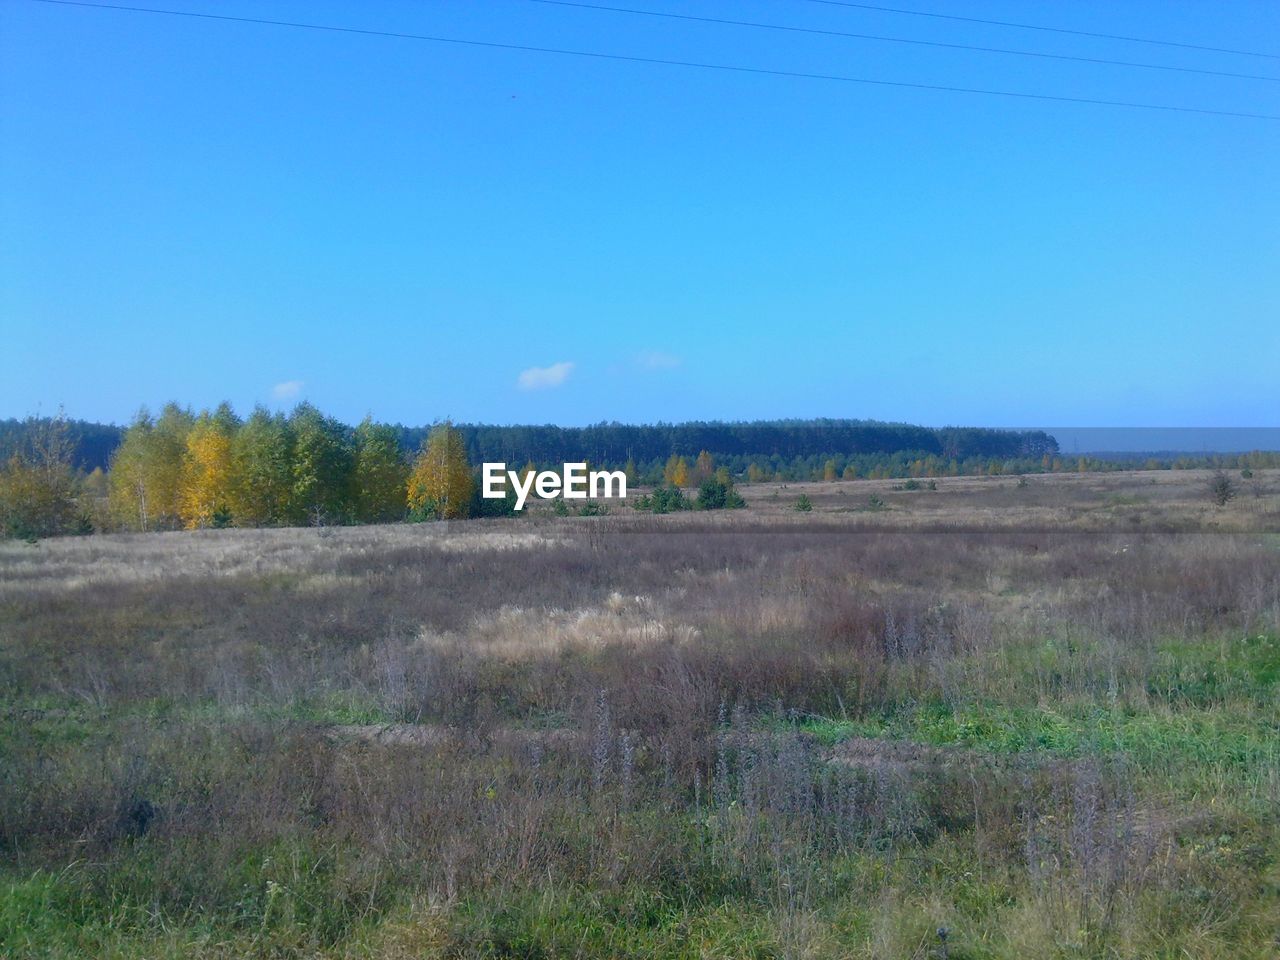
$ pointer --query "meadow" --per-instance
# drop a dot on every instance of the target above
(998, 719)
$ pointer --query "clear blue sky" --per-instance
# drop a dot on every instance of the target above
(201, 210)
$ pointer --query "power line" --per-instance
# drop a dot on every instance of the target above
(914, 42)
(1036, 26)
(593, 55)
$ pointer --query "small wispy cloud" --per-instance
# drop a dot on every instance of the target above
(656, 360)
(540, 378)
(287, 390)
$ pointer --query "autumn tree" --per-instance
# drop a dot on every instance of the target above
(440, 482)
(703, 468)
(755, 473)
(261, 470)
(145, 481)
(207, 468)
(381, 475)
(676, 472)
(322, 467)
(94, 485)
(829, 471)
(128, 495)
(37, 484)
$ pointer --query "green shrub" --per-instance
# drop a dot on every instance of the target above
(719, 494)
(803, 504)
(664, 500)
(1222, 488)
(427, 510)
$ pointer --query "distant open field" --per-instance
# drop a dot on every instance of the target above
(986, 720)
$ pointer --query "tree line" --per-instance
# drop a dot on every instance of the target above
(214, 469)
(611, 445)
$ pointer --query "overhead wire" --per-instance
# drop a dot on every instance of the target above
(1044, 28)
(694, 18)
(664, 61)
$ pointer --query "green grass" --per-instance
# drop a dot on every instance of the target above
(1206, 706)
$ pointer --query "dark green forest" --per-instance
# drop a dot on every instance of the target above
(613, 444)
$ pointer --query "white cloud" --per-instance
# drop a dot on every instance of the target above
(287, 390)
(539, 378)
(656, 360)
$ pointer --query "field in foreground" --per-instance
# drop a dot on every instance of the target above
(982, 721)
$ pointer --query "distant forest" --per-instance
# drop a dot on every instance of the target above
(614, 444)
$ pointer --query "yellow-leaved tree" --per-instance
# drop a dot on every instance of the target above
(145, 481)
(440, 483)
(206, 470)
(37, 484)
(703, 468)
(829, 471)
(676, 472)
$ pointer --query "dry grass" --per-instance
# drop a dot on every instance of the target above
(1014, 712)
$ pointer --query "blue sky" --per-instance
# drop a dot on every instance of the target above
(202, 210)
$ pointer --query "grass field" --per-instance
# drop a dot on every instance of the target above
(987, 720)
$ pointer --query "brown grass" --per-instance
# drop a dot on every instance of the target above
(442, 718)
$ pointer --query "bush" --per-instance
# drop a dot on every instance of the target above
(1222, 488)
(481, 506)
(803, 504)
(424, 511)
(718, 494)
(664, 500)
